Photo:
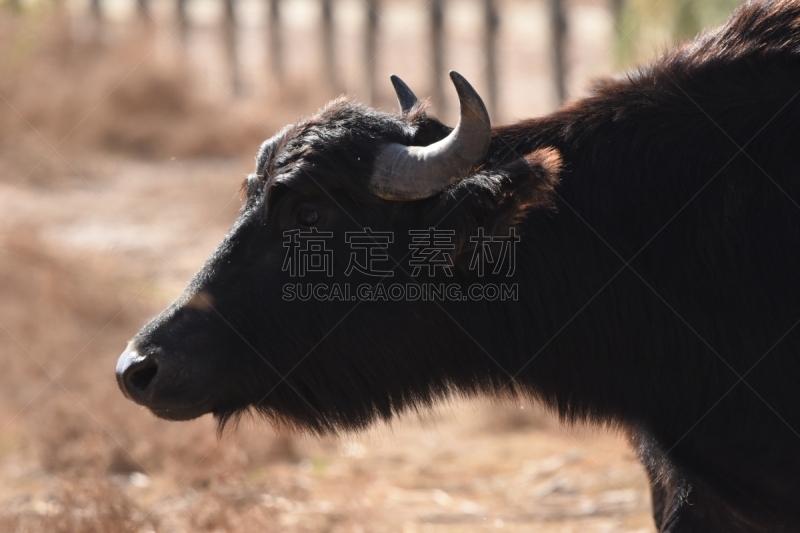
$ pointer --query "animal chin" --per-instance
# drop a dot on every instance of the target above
(229, 416)
(180, 414)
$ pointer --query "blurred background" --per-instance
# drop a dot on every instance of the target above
(125, 131)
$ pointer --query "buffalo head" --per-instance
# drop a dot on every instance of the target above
(261, 328)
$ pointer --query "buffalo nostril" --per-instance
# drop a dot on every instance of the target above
(135, 374)
(139, 378)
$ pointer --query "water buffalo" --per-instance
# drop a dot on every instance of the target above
(654, 283)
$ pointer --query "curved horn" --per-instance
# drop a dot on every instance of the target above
(417, 172)
(405, 96)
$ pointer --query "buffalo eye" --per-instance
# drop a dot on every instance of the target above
(307, 217)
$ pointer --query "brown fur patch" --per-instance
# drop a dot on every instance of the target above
(202, 301)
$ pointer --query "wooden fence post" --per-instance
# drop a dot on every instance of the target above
(492, 23)
(616, 14)
(96, 9)
(437, 52)
(143, 6)
(558, 28)
(329, 45)
(616, 11)
(275, 39)
(371, 47)
(183, 23)
(229, 36)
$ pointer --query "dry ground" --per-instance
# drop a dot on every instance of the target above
(102, 233)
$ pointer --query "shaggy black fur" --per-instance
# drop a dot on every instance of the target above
(658, 275)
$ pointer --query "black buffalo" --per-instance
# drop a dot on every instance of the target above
(657, 274)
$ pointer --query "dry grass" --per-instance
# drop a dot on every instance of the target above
(50, 308)
(137, 102)
(86, 505)
(66, 316)
(122, 94)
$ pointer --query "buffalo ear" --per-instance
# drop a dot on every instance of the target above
(497, 199)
